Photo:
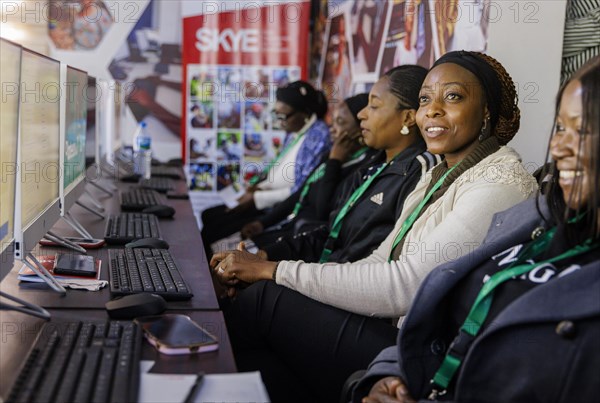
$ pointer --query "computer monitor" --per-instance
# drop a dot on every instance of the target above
(91, 143)
(119, 101)
(73, 135)
(110, 118)
(37, 204)
(10, 71)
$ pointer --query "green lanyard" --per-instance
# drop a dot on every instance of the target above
(315, 176)
(254, 180)
(480, 309)
(337, 223)
(407, 225)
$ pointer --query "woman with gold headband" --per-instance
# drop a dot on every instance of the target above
(323, 321)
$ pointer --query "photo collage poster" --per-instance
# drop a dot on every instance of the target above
(362, 39)
(230, 132)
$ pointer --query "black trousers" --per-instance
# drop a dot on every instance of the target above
(219, 222)
(304, 349)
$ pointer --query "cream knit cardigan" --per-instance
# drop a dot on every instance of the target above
(449, 228)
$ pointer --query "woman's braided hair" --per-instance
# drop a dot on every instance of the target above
(405, 84)
(509, 114)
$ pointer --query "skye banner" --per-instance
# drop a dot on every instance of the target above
(235, 56)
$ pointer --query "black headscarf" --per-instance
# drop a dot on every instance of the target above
(356, 104)
(302, 96)
(486, 75)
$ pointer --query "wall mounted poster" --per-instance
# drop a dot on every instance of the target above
(362, 39)
(234, 59)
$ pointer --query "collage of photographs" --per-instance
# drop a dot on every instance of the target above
(230, 131)
(392, 33)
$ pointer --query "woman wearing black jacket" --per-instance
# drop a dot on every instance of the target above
(377, 191)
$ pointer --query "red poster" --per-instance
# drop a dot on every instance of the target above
(233, 62)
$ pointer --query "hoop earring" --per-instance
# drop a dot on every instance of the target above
(404, 131)
(484, 130)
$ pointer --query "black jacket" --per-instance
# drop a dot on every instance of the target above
(543, 347)
(372, 217)
(317, 204)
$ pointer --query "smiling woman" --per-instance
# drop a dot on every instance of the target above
(322, 321)
(538, 278)
(451, 111)
(575, 148)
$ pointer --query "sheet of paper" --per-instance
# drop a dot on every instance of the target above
(230, 195)
(145, 366)
(240, 387)
(158, 388)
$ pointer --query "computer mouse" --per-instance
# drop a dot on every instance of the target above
(134, 305)
(160, 210)
(152, 243)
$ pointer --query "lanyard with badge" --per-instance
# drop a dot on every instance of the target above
(315, 176)
(480, 309)
(337, 223)
(407, 225)
(273, 163)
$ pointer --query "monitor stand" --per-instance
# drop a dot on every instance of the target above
(97, 170)
(115, 172)
(109, 192)
(52, 236)
(91, 210)
(95, 202)
(42, 273)
(24, 307)
(76, 225)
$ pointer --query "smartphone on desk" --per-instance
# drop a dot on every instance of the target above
(176, 334)
(74, 265)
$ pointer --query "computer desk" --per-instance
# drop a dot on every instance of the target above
(20, 331)
(181, 233)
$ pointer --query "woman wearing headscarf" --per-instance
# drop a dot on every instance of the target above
(322, 321)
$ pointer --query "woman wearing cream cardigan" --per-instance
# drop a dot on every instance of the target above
(306, 347)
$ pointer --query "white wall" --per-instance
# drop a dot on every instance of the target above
(169, 24)
(526, 37)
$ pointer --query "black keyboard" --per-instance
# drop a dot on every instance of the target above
(81, 362)
(166, 171)
(146, 270)
(160, 184)
(139, 199)
(127, 227)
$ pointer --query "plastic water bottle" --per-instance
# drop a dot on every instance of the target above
(142, 153)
